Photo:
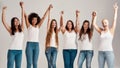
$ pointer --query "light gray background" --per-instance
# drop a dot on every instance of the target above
(104, 9)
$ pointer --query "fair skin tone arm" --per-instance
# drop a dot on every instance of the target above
(77, 27)
(26, 20)
(61, 23)
(22, 14)
(45, 15)
(115, 19)
(48, 24)
(8, 28)
(93, 17)
(94, 23)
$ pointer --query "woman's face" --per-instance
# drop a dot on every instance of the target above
(69, 25)
(86, 25)
(16, 22)
(34, 21)
(105, 23)
(54, 24)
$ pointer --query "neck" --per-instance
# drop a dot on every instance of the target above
(69, 30)
(34, 25)
(106, 28)
(85, 31)
(16, 28)
(53, 29)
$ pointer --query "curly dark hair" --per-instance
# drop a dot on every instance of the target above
(34, 15)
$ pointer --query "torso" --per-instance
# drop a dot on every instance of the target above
(17, 41)
(33, 34)
(106, 41)
(70, 40)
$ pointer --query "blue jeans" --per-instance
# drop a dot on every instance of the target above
(106, 56)
(32, 53)
(14, 55)
(51, 55)
(85, 54)
(69, 57)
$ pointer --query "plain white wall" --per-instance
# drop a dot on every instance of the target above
(104, 9)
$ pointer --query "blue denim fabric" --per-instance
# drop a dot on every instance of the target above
(69, 57)
(14, 55)
(106, 56)
(85, 54)
(32, 53)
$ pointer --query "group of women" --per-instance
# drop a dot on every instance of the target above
(71, 35)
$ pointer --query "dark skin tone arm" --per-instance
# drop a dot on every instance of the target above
(45, 15)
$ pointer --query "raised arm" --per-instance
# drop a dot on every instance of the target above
(62, 27)
(93, 17)
(115, 18)
(45, 15)
(48, 24)
(77, 27)
(22, 14)
(8, 28)
(94, 22)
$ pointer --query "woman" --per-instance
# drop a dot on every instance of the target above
(106, 53)
(85, 43)
(51, 42)
(70, 47)
(16, 32)
(33, 23)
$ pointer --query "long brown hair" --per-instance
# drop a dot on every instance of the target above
(49, 34)
(88, 30)
(13, 26)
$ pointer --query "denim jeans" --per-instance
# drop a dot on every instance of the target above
(85, 54)
(51, 55)
(69, 57)
(14, 55)
(32, 53)
(106, 56)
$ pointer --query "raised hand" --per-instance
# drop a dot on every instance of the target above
(21, 4)
(115, 6)
(50, 6)
(77, 13)
(93, 14)
(62, 12)
(5, 7)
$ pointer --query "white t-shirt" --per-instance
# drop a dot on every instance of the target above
(52, 41)
(106, 41)
(17, 41)
(70, 40)
(84, 43)
(33, 34)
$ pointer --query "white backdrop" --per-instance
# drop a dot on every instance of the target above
(104, 9)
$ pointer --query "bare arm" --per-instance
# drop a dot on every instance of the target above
(77, 27)
(26, 20)
(8, 28)
(61, 23)
(93, 17)
(115, 19)
(45, 15)
(22, 14)
(48, 24)
(94, 22)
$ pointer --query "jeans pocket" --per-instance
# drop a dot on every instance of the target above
(47, 50)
